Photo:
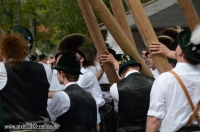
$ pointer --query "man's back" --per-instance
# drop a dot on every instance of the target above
(24, 97)
(134, 95)
(168, 96)
(82, 114)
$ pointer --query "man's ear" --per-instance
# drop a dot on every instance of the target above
(62, 73)
(138, 68)
(181, 53)
(81, 60)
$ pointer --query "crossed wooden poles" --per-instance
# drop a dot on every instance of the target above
(118, 26)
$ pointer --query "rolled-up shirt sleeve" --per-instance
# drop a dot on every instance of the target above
(157, 101)
(3, 75)
(59, 104)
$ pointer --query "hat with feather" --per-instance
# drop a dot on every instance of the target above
(68, 47)
(190, 44)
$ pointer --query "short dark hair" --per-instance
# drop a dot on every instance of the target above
(90, 56)
(130, 66)
(190, 61)
(71, 77)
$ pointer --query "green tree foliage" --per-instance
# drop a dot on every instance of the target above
(53, 19)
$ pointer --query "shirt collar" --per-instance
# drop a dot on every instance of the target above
(132, 71)
(70, 84)
(26, 59)
(184, 64)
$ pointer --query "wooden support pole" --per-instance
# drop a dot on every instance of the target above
(120, 16)
(97, 38)
(117, 33)
(189, 13)
(146, 31)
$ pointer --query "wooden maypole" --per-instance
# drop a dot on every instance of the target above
(146, 31)
(120, 16)
(97, 38)
(117, 33)
(189, 13)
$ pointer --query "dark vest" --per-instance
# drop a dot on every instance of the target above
(82, 114)
(134, 96)
(24, 97)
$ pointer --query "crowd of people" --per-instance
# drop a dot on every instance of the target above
(71, 88)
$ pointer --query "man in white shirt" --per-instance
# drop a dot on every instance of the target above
(89, 82)
(74, 108)
(55, 84)
(151, 65)
(43, 60)
(106, 111)
(169, 109)
(131, 95)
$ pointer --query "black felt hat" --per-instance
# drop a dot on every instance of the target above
(25, 33)
(69, 63)
(125, 61)
(190, 44)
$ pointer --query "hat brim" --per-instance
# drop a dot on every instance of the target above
(71, 71)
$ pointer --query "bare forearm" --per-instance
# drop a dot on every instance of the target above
(116, 65)
(153, 124)
(99, 74)
(171, 54)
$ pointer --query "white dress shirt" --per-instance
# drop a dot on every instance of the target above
(55, 84)
(114, 90)
(3, 74)
(59, 104)
(168, 101)
(48, 71)
(89, 82)
(103, 80)
(155, 72)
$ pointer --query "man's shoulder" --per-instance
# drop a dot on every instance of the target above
(142, 76)
(87, 72)
(45, 65)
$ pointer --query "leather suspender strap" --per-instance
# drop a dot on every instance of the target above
(195, 110)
